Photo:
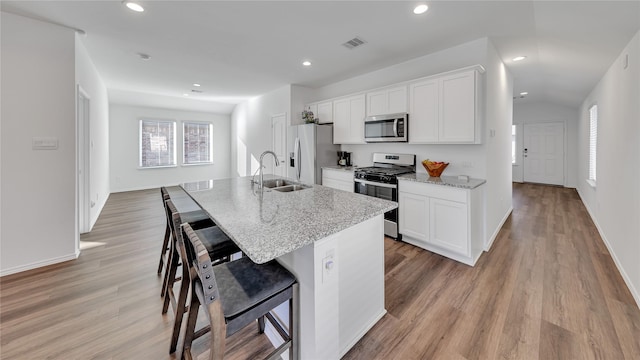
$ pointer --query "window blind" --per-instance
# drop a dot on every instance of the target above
(197, 143)
(157, 143)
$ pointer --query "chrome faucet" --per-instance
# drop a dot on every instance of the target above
(275, 157)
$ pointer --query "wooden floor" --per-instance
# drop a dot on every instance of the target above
(547, 290)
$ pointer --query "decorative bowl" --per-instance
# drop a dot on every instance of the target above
(434, 168)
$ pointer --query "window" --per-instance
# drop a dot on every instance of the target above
(593, 143)
(197, 143)
(157, 143)
(513, 144)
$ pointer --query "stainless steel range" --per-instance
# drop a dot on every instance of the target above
(381, 181)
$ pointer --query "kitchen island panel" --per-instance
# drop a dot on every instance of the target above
(341, 288)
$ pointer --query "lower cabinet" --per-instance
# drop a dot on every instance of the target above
(338, 179)
(442, 219)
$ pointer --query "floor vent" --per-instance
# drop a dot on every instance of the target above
(354, 43)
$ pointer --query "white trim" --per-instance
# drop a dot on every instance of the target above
(39, 264)
(488, 244)
(83, 161)
(157, 167)
(196, 164)
(591, 183)
(625, 277)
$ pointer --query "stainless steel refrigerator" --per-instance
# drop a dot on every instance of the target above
(310, 147)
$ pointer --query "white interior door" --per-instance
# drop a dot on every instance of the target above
(279, 138)
(83, 158)
(543, 153)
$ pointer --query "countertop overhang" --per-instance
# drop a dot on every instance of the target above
(268, 224)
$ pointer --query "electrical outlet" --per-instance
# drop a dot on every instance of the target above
(328, 266)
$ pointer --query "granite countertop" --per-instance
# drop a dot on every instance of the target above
(452, 181)
(341, 168)
(268, 224)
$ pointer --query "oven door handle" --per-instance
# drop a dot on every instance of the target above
(373, 183)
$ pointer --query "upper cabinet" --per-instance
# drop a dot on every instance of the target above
(445, 109)
(323, 111)
(348, 120)
(387, 101)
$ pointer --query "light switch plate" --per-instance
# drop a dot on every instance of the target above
(44, 143)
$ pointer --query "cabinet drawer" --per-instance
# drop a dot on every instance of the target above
(433, 191)
(338, 175)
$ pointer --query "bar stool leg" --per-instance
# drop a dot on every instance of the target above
(173, 267)
(165, 244)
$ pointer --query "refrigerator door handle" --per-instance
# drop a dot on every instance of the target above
(296, 151)
(299, 160)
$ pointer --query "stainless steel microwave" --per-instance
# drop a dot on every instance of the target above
(386, 128)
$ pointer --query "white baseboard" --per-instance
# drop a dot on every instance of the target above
(493, 237)
(625, 277)
(38, 264)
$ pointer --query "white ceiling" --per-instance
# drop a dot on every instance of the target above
(241, 49)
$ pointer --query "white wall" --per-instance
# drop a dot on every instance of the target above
(38, 186)
(124, 141)
(544, 112)
(89, 80)
(614, 204)
(498, 120)
(251, 129)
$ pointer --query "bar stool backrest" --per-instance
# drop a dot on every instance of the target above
(198, 258)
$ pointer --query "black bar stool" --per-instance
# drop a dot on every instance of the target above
(236, 294)
(217, 244)
(198, 217)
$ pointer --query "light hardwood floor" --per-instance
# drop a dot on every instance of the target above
(547, 290)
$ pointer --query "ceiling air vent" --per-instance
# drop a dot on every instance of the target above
(354, 43)
(196, 91)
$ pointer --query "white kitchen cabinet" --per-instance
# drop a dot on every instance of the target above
(448, 225)
(414, 208)
(338, 179)
(423, 111)
(387, 101)
(444, 220)
(323, 111)
(348, 120)
(444, 109)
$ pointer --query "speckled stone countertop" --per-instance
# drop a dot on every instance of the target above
(266, 225)
(341, 168)
(443, 180)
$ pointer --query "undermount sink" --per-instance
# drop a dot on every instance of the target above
(290, 188)
(284, 185)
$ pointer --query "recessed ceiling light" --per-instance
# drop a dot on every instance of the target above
(524, 93)
(519, 58)
(144, 56)
(185, 94)
(134, 6)
(306, 63)
(196, 85)
(420, 9)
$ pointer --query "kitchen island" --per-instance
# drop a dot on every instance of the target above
(332, 240)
